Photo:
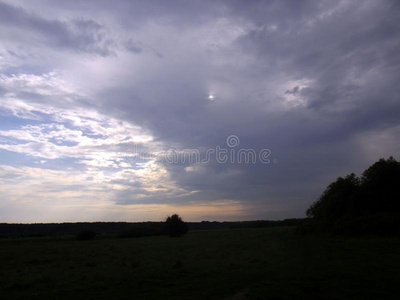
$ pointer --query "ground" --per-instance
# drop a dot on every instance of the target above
(268, 263)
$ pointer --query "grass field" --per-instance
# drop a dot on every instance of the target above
(270, 263)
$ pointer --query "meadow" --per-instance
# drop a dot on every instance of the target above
(260, 263)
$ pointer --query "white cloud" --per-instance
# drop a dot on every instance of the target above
(80, 84)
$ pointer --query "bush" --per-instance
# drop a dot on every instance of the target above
(175, 226)
(86, 235)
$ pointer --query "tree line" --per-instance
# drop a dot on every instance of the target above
(351, 205)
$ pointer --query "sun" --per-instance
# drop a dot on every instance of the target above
(211, 97)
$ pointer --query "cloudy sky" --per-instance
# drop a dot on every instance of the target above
(87, 87)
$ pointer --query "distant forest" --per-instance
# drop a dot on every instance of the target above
(50, 229)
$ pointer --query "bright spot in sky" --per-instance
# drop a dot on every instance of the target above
(211, 97)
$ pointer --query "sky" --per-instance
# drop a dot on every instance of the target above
(103, 103)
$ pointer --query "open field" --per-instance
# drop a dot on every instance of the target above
(267, 263)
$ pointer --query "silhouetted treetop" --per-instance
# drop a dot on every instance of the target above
(372, 198)
(175, 226)
(334, 201)
(380, 188)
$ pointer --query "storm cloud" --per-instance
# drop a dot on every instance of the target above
(83, 83)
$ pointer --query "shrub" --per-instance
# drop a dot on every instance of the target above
(175, 226)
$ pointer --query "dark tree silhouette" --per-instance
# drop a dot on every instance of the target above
(380, 188)
(175, 226)
(334, 201)
(369, 204)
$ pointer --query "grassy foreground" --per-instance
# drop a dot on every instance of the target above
(268, 263)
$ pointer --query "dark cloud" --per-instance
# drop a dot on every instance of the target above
(133, 47)
(316, 83)
(76, 34)
(344, 52)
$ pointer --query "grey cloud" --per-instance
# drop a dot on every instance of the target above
(340, 58)
(135, 14)
(76, 35)
(293, 91)
(313, 142)
(133, 47)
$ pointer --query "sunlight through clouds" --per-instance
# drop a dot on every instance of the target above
(85, 88)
